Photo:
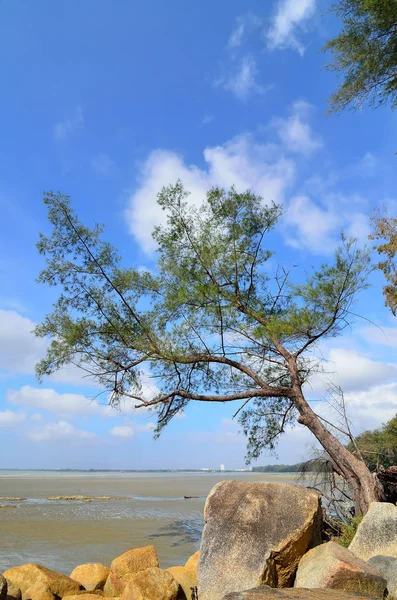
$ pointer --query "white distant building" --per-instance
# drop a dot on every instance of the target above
(222, 467)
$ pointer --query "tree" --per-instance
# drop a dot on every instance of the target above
(384, 228)
(211, 325)
(365, 53)
(378, 447)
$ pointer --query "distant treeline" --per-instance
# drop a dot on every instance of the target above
(278, 468)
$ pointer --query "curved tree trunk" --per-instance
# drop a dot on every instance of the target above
(365, 486)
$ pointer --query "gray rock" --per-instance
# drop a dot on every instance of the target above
(330, 566)
(387, 566)
(267, 593)
(255, 534)
(377, 532)
(3, 588)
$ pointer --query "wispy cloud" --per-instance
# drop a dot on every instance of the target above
(68, 127)
(103, 164)
(295, 131)
(9, 419)
(290, 16)
(242, 81)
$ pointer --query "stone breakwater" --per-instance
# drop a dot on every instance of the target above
(260, 541)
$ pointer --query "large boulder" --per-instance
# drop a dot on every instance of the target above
(331, 566)
(92, 576)
(151, 584)
(128, 564)
(387, 567)
(3, 588)
(26, 576)
(267, 593)
(255, 534)
(87, 596)
(377, 532)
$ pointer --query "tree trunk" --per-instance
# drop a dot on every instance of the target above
(364, 485)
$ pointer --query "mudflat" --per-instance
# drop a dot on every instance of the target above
(115, 512)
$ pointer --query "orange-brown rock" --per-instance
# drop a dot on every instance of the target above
(331, 566)
(3, 588)
(151, 584)
(185, 580)
(128, 564)
(267, 593)
(92, 576)
(26, 576)
(255, 534)
(192, 564)
(88, 596)
(13, 591)
(38, 591)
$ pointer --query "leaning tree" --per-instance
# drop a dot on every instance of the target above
(210, 325)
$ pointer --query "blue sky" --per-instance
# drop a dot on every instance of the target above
(107, 102)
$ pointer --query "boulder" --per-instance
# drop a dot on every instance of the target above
(331, 566)
(255, 534)
(267, 593)
(28, 575)
(192, 563)
(377, 532)
(151, 584)
(38, 591)
(387, 567)
(92, 576)
(13, 591)
(128, 564)
(3, 588)
(185, 579)
(88, 596)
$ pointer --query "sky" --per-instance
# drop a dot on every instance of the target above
(109, 101)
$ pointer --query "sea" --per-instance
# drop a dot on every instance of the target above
(62, 534)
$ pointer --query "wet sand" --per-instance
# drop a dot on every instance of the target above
(63, 534)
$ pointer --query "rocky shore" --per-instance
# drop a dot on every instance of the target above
(260, 541)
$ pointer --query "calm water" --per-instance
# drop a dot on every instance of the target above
(61, 535)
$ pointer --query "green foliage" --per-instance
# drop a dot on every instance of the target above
(384, 228)
(349, 531)
(378, 447)
(212, 324)
(365, 53)
(278, 468)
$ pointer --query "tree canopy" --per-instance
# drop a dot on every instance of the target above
(365, 53)
(385, 229)
(211, 324)
(379, 447)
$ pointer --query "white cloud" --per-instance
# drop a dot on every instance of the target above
(62, 405)
(20, 349)
(9, 419)
(242, 80)
(123, 432)
(103, 164)
(295, 132)
(290, 16)
(384, 336)
(62, 431)
(352, 371)
(69, 126)
(242, 162)
(311, 226)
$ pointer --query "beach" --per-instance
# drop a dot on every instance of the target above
(151, 509)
